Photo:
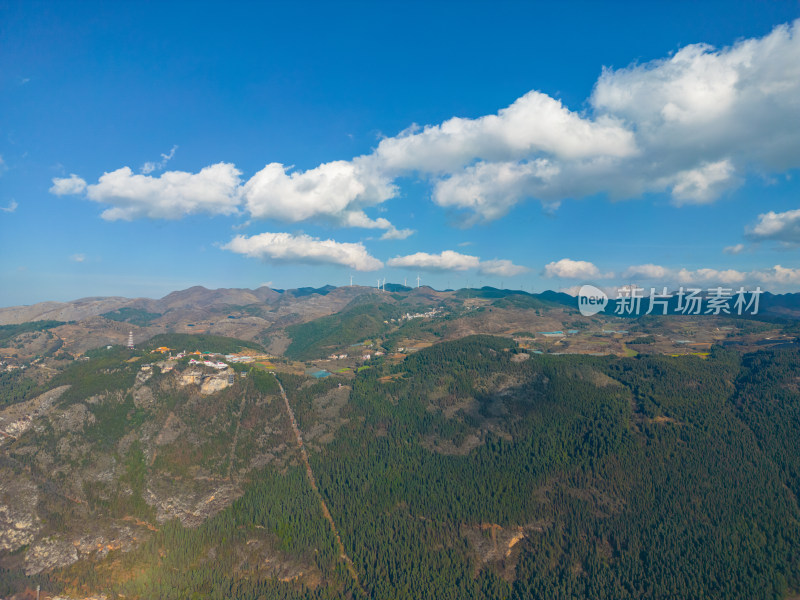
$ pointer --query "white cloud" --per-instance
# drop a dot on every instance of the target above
(502, 267)
(490, 190)
(736, 249)
(703, 184)
(693, 125)
(12, 206)
(285, 247)
(79, 258)
(727, 276)
(173, 194)
(572, 290)
(648, 271)
(567, 268)
(533, 124)
(446, 261)
(397, 234)
(664, 275)
(779, 275)
(63, 186)
(776, 278)
(449, 260)
(149, 167)
(778, 227)
(336, 191)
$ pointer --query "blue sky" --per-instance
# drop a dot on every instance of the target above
(148, 147)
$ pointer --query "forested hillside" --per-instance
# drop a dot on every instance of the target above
(471, 469)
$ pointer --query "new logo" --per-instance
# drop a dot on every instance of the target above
(591, 300)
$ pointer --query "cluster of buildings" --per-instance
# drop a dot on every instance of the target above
(366, 356)
(231, 358)
(423, 315)
(209, 363)
(243, 358)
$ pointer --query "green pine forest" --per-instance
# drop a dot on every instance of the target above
(474, 470)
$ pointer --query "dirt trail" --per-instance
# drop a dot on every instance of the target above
(327, 513)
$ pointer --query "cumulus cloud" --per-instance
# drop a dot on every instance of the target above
(78, 258)
(736, 249)
(149, 167)
(692, 125)
(336, 191)
(446, 261)
(778, 275)
(777, 227)
(12, 206)
(449, 260)
(285, 247)
(501, 267)
(727, 276)
(534, 123)
(670, 276)
(703, 184)
(397, 234)
(665, 275)
(173, 194)
(648, 271)
(64, 186)
(490, 190)
(775, 277)
(567, 268)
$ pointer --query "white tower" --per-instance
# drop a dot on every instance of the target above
(417, 280)
(351, 281)
(130, 340)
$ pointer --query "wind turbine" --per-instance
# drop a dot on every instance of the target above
(351, 280)
(417, 280)
(384, 284)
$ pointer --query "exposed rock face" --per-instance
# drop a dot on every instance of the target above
(120, 538)
(209, 383)
(19, 523)
(192, 507)
(54, 552)
(214, 384)
(143, 397)
(74, 418)
(143, 375)
(49, 553)
(191, 377)
(173, 427)
(18, 418)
